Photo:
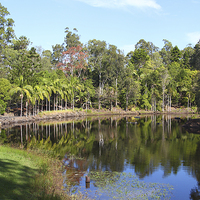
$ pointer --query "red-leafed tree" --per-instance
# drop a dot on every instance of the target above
(73, 61)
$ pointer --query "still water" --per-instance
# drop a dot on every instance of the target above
(144, 157)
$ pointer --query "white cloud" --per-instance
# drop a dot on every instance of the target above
(122, 3)
(193, 37)
(195, 1)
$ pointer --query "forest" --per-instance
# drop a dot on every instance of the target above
(94, 75)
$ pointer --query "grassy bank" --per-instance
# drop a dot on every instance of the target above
(115, 111)
(29, 175)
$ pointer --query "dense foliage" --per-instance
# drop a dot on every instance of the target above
(95, 74)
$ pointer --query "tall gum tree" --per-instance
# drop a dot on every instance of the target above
(165, 52)
(6, 28)
(149, 47)
(6, 36)
(97, 52)
(116, 63)
(164, 75)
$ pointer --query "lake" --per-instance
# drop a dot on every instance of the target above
(126, 157)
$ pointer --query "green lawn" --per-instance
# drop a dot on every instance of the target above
(24, 175)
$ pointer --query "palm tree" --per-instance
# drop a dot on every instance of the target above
(66, 90)
(22, 90)
(48, 88)
(39, 95)
(57, 90)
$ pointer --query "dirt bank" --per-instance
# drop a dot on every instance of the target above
(60, 115)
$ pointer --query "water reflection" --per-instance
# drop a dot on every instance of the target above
(144, 144)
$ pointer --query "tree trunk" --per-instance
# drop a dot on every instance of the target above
(116, 95)
(26, 109)
(189, 101)
(73, 103)
(99, 103)
(38, 107)
(42, 105)
(168, 104)
(29, 108)
(163, 104)
(54, 102)
(33, 109)
(99, 91)
(126, 102)
(21, 136)
(21, 103)
(49, 103)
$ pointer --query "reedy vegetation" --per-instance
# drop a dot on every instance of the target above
(95, 74)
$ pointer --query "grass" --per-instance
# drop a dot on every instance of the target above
(27, 175)
(114, 111)
(47, 113)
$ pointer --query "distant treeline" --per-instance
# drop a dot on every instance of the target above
(95, 74)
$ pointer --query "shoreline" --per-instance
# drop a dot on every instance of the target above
(66, 114)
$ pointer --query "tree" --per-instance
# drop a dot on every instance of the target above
(156, 60)
(97, 53)
(46, 60)
(165, 52)
(130, 87)
(115, 65)
(21, 43)
(5, 86)
(74, 60)
(164, 75)
(175, 55)
(48, 88)
(39, 93)
(149, 47)
(6, 28)
(26, 64)
(186, 82)
(57, 90)
(72, 39)
(139, 58)
(6, 36)
(57, 54)
(23, 90)
(73, 86)
(187, 55)
(195, 60)
(109, 95)
(173, 69)
(87, 92)
(197, 91)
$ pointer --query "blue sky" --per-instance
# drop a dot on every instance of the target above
(119, 22)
